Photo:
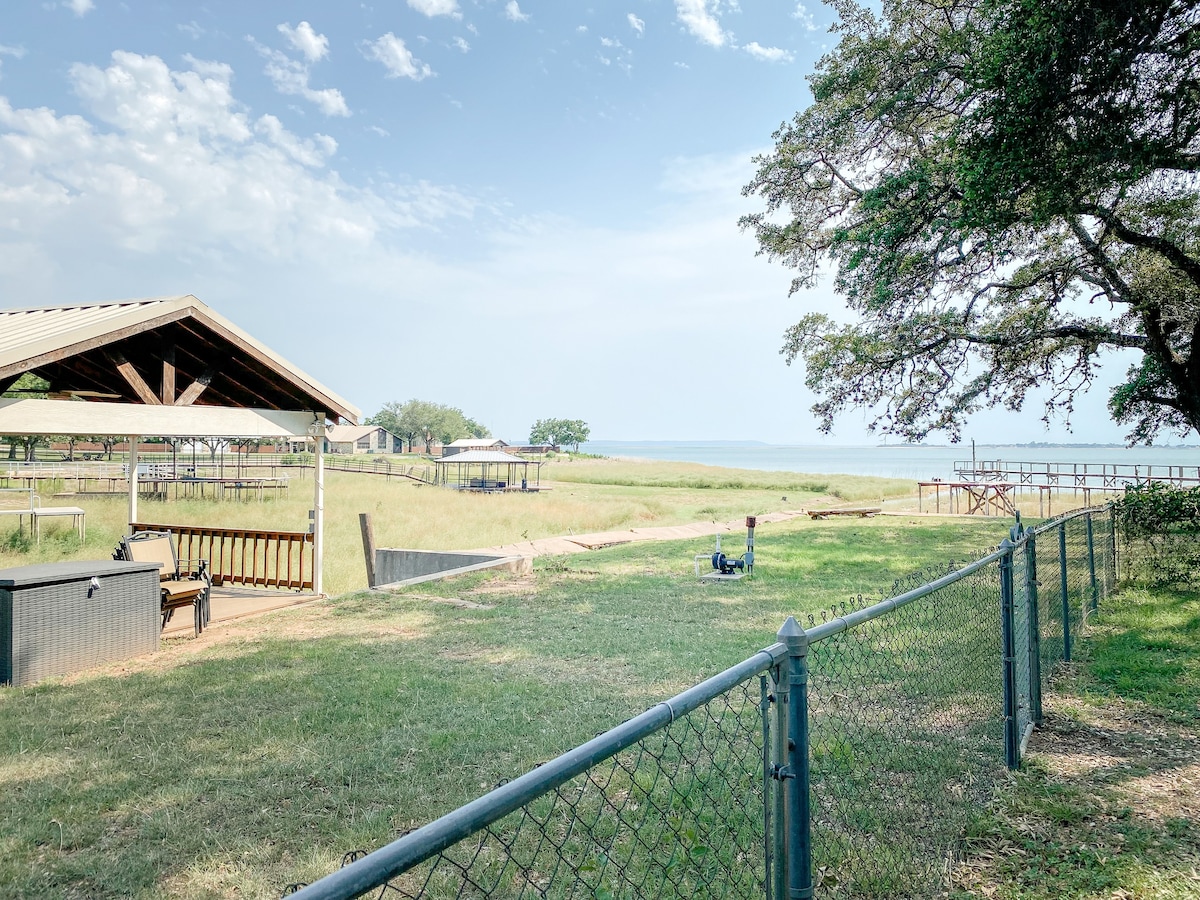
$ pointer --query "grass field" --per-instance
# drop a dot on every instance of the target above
(255, 755)
(409, 515)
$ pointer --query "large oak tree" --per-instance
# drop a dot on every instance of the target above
(1006, 190)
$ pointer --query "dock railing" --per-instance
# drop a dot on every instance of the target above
(843, 760)
(244, 556)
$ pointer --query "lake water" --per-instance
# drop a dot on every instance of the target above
(920, 463)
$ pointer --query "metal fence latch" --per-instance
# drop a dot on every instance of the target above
(781, 773)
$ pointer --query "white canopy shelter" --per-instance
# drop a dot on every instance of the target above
(113, 368)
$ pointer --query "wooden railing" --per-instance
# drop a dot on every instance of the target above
(281, 559)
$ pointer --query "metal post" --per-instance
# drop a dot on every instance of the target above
(779, 852)
(796, 776)
(1035, 630)
(319, 507)
(764, 708)
(1091, 544)
(1012, 738)
(1066, 598)
(134, 440)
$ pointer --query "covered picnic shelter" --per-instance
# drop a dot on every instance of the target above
(487, 470)
(162, 367)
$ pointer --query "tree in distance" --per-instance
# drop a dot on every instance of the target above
(420, 420)
(560, 432)
(1007, 189)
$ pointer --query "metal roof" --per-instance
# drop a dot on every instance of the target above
(67, 345)
(345, 434)
(478, 443)
(484, 456)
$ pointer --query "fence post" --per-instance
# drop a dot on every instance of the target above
(1012, 740)
(778, 859)
(796, 777)
(1035, 629)
(1064, 589)
(1091, 545)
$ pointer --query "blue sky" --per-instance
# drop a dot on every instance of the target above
(523, 208)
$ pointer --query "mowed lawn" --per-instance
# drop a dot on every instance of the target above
(256, 755)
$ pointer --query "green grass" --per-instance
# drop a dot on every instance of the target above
(258, 754)
(1108, 803)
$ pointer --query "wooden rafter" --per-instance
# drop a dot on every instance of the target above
(167, 392)
(134, 378)
(196, 388)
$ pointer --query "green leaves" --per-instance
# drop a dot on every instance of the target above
(1005, 188)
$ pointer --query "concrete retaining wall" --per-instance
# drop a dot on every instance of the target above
(394, 568)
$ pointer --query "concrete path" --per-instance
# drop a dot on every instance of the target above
(578, 543)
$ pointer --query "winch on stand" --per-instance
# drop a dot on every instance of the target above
(729, 568)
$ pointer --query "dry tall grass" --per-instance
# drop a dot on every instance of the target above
(584, 496)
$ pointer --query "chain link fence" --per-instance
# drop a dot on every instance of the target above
(842, 761)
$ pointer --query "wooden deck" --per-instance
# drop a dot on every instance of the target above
(232, 603)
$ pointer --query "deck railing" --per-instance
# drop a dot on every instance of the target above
(250, 557)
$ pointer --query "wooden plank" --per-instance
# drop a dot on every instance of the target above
(68, 417)
(133, 378)
(863, 512)
(368, 539)
(193, 391)
(168, 375)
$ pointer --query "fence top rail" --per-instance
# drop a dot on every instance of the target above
(402, 854)
(883, 607)
(1051, 524)
(217, 531)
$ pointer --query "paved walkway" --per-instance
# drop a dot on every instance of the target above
(577, 543)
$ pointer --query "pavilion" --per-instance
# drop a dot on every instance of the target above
(161, 367)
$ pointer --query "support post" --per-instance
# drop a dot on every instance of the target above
(1091, 545)
(1012, 737)
(796, 776)
(779, 750)
(368, 539)
(1035, 630)
(1064, 590)
(318, 506)
(134, 440)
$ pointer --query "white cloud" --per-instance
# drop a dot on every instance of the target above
(192, 29)
(638, 25)
(168, 162)
(382, 132)
(768, 54)
(396, 58)
(806, 18)
(314, 46)
(433, 8)
(80, 7)
(291, 77)
(581, 29)
(461, 44)
(512, 12)
(699, 18)
(609, 42)
(14, 52)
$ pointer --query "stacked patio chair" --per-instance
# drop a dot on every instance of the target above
(183, 582)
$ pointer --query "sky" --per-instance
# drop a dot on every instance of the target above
(526, 209)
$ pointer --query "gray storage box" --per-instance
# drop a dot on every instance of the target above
(53, 622)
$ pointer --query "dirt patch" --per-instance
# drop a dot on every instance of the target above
(1109, 796)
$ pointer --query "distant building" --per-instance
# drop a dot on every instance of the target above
(462, 445)
(351, 439)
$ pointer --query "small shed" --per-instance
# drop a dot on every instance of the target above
(489, 471)
(465, 445)
(361, 439)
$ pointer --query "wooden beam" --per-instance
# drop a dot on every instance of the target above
(167, 393)
(100, 417)
(8, 381)
(134, 378)
(196, 388)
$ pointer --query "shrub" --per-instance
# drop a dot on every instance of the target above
(1159, 527)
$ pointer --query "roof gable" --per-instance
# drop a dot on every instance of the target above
(143, 350)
